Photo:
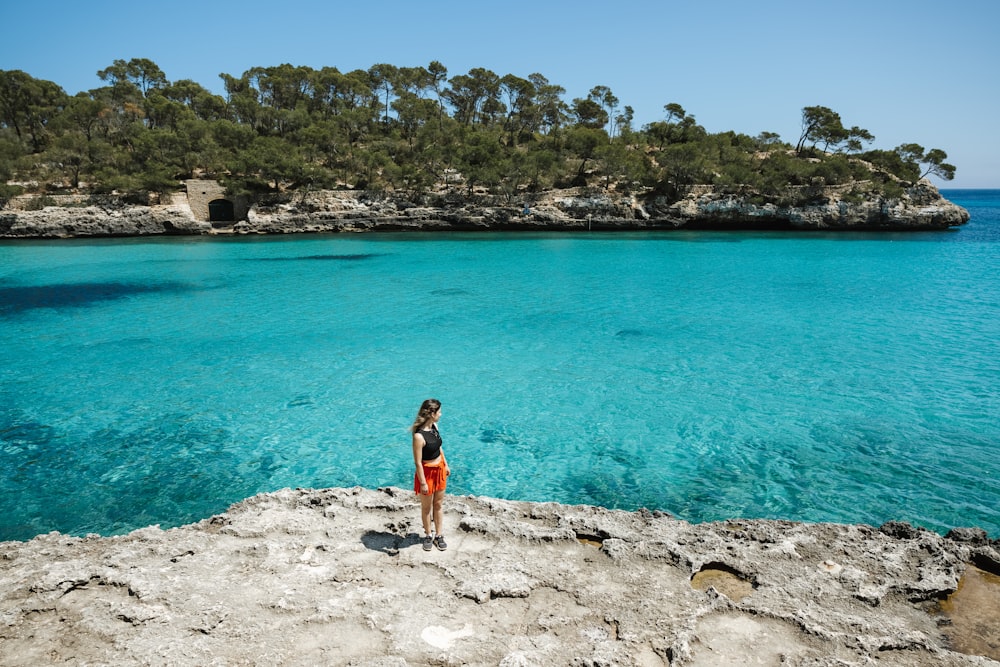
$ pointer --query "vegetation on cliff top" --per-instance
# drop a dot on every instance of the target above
(411, 129)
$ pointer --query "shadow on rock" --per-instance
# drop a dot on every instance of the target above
(389, 543)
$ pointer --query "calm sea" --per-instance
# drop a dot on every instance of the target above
(849, 377)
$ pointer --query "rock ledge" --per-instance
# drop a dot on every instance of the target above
(337, 576)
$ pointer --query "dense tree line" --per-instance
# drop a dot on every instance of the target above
(285, 128)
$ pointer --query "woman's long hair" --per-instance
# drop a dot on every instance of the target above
(427, 410)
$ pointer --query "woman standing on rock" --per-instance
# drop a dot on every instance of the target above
(432, 473)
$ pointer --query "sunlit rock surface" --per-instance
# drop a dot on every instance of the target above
(338, 577)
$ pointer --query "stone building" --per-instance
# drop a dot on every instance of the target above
(209, 203)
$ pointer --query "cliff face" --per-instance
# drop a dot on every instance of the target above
(59, 222)
(921, 208)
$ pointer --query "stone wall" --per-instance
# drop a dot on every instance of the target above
(31, 202)
(201, 193)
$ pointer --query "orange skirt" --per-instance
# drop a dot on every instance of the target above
(436, 473)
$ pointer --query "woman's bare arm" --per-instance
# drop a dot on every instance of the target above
(418, 458)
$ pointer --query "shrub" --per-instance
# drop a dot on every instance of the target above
(8, 192)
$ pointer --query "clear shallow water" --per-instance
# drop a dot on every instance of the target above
(817, 377)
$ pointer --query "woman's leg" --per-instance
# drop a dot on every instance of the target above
(438, 512)
(426, 502)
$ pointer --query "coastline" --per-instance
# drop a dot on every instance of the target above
(922, 208)
(337, 576)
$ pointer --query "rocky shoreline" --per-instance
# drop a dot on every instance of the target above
(921, 208)
(338, 577)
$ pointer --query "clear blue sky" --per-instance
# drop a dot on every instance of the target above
(918, 71)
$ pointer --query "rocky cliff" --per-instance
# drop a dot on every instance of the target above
(921, 208)
(100, 221)
(338, 577)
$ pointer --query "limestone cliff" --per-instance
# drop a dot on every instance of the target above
(920, 208)
(98, 221)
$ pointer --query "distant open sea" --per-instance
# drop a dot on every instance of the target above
(846, 377)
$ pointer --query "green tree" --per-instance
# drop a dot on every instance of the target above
(935, 165)
(678, 127)
(468, 94)
(244, 103)
(438, 77)
(28, 105)
(890, 162)
(266, 163)
(82, 114)
(926, 163)
(583, 141)
(624, 122)
(820, 124)
(856, 138)
(163, 112)
(623, 166)
(675, 112)
(383, 76)
(767, 140)
(71, 152)
(519, 95)
(681, 166)
(603, 96)
(480, 159)
(413, 112)
(141, 74)
(589, 114)
(553, 112)
(203, 104)
(543, 167)
(10, 152)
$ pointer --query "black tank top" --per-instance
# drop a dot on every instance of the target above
(432, 443)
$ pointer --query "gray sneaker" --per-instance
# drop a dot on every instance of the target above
(428, 541)
(439, 543)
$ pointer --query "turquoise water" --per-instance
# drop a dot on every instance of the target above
(820, 377)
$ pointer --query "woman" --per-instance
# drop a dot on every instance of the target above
(432, 471)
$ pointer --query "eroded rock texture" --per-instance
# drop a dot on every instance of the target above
(338, 577)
